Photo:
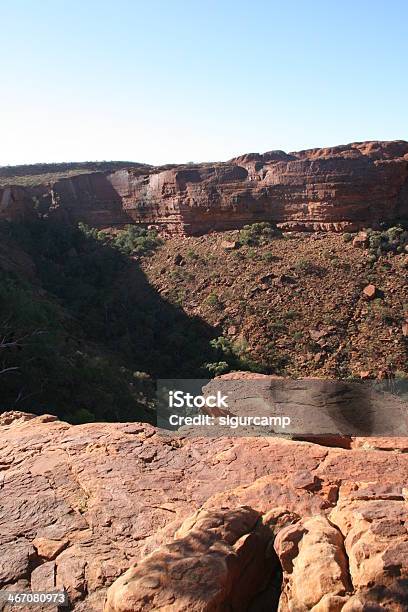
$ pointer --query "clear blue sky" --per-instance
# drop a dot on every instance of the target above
(186, 80)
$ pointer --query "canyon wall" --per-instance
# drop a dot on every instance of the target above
(90, 198)
(340, 188)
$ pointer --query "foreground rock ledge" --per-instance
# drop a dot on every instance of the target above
(179, 524)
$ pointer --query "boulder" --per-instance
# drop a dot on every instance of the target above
(361, 240)
(370, 292)
(217, 561)
(229, 245)
(314, 562)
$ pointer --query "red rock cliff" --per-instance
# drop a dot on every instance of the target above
(344, 187)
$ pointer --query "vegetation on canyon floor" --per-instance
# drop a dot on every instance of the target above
(90, 318)
(83, 334)
(131, 240)
(257, 234)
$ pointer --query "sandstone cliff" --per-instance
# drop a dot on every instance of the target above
(235, 524)
(337, 188)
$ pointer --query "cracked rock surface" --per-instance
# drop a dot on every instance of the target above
(196, 524)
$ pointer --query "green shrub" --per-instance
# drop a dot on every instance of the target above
(306, 266)
(217, 368)
(384, 312)
(136, 240)
(88, 232)
(374, 241)
(277, 326)
(391, 240)
(222, 344)
(290, 314)
(257, 234)
(234, 354)
(192, 255)
(251, 253)
(214, 301)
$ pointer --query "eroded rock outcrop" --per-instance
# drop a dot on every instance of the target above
(89, 198)
(80, 505)
(314, 563)
(338, 188)
(216, 561)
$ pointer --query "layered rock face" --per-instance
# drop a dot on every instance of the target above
(89, 198)
(345, 187)
(340, 188)
(127, 518)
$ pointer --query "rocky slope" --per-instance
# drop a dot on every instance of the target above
(296, 304)
(231, 524)
(337, 188)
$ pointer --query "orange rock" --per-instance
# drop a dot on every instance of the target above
(370, 292)
(195, 519)
(317, 334)
(229, 245)
(364, 374)
(361, 240)
(49, 549)
(217, 561)
(314, 562)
